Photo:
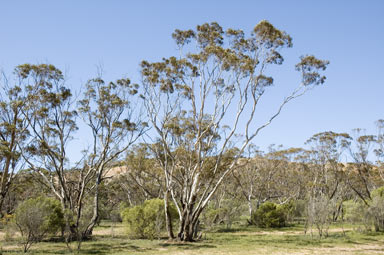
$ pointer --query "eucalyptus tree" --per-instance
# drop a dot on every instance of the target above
(51, 118)
(363, 177)
(290, 180)
(111, 112)
(327, 189)
(268, 176)
(51, 121)
(247, 177)
(13, 133)
(142, 178)
(327, 172)
(201, 100)
(367, 178)
(52, 115)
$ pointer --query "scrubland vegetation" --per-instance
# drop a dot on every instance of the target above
(171, 168)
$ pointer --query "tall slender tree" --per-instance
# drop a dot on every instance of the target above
(201, 100)
(51, 118)
(111, 112)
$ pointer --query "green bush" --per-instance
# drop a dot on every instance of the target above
(230, 211)
(269, 215)
(371, 215)
(210, 216)
(355, 211)
(146, 220)
(376, 209)
(298, 209)
(37, 217)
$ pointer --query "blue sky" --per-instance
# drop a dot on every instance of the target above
(77, 36)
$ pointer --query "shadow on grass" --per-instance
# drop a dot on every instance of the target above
(230, 230)
(188, 246)
(253, 229)
(106, 248)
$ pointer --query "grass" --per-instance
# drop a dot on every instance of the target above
(109, 239)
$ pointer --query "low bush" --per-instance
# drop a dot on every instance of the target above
(37, 217)
(269, 215)
(230, 210)
(376, 209)
(146, 220)
(371, 215)
(356, 212)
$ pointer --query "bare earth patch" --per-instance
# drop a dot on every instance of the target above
(117, 230)
(361, 248)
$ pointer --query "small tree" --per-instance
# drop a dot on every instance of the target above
(319, 214)
(35, 218)
(109, 110)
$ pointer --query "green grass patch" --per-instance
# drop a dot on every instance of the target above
(237, 240)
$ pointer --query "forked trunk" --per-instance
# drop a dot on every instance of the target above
(189, 225)
(188, 230)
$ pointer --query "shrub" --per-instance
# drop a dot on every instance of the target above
(231, 210)
(356, 212)
(35, 218)
(269, 215)
(376, 209)
(146, 220)
(291, 210)
(371, 214)
(210, 216)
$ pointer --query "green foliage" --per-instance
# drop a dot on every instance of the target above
(5, 220)
(369, 215)
(379, 192)
(146, 220)
(376, 209)
(45, 211)
(225, 69)
(210, 216)
(37, 217)
(298, 210)
(290, 210)
(270, 215)
(229, 211)
(356, 212)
